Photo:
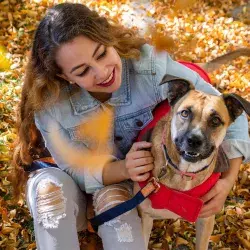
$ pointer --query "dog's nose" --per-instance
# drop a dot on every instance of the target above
(194, 141)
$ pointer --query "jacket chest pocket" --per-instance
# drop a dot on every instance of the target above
(128, 128)
(91, 140)
(77, 133)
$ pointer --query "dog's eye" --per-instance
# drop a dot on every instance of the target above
(184, 113)
(216, 121)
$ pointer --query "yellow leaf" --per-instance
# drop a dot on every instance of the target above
(4, 61)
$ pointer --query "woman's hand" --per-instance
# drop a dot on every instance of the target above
(214, 200)
(139, 161)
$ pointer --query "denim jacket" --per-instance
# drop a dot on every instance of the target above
(133, 103)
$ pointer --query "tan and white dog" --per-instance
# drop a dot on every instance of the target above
(192, 132)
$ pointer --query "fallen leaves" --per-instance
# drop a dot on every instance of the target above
(198, 31)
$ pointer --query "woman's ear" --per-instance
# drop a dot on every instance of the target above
(65, 78)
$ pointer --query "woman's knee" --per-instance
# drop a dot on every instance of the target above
(111, 196)
(50, 203)
(50, 196)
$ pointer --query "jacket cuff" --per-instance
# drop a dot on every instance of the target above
(237, 148)
(93, 176)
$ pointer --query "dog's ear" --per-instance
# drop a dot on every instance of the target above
(176, 87)
(235, 105)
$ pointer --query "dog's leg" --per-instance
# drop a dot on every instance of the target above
(204, 229)
(147, 225)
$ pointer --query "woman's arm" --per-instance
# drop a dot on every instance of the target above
(67, 153)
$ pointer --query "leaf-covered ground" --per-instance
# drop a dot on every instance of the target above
(200, 33)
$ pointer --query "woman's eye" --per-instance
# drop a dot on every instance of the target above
(99, 57)
(102, 54)
(84, 72)
(216, 121)
(185, 113)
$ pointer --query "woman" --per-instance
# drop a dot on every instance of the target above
(80, 65)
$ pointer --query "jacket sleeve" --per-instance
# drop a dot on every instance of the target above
(89, 179)
(236, 142)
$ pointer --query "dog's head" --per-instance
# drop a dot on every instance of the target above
(199, 121)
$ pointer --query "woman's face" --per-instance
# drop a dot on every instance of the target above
(91, 65)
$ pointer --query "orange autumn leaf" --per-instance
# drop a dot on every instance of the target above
(216, 238)
(162, 41)
(98, 127)
(97, 131)
(183, 4)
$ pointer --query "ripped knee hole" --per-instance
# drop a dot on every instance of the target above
(109, 197)
(50, 203)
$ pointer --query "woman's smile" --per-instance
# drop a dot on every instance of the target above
(109, 81)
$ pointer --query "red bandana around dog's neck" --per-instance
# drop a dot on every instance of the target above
(184, 203)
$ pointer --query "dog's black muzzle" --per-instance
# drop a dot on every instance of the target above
(194, 147)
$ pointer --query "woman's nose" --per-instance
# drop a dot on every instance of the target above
(100, 72)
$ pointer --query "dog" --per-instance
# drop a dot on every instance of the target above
(191, 133)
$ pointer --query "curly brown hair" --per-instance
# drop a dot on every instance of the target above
(60, 25)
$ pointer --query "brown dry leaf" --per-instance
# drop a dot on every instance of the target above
(180, 241)
(244, 177)
(243, 191)
(245, 243)
(247, 215)
(31, 246)
(216, 238)
(25, 235)
(4, 213)
(246, 222)
(7, 230)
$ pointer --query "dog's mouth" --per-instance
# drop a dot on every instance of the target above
(190, 156)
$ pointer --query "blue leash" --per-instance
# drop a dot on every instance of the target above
(35, 165)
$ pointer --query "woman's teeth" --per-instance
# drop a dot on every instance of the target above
(110, 77)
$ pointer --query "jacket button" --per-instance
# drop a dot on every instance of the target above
(118, 138)
(139, 123)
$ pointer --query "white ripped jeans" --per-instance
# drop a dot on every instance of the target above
(58, 208)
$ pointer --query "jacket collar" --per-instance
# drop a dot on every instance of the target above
(83, 102)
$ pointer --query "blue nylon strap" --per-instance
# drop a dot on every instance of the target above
(35, 165)
(117, 210)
